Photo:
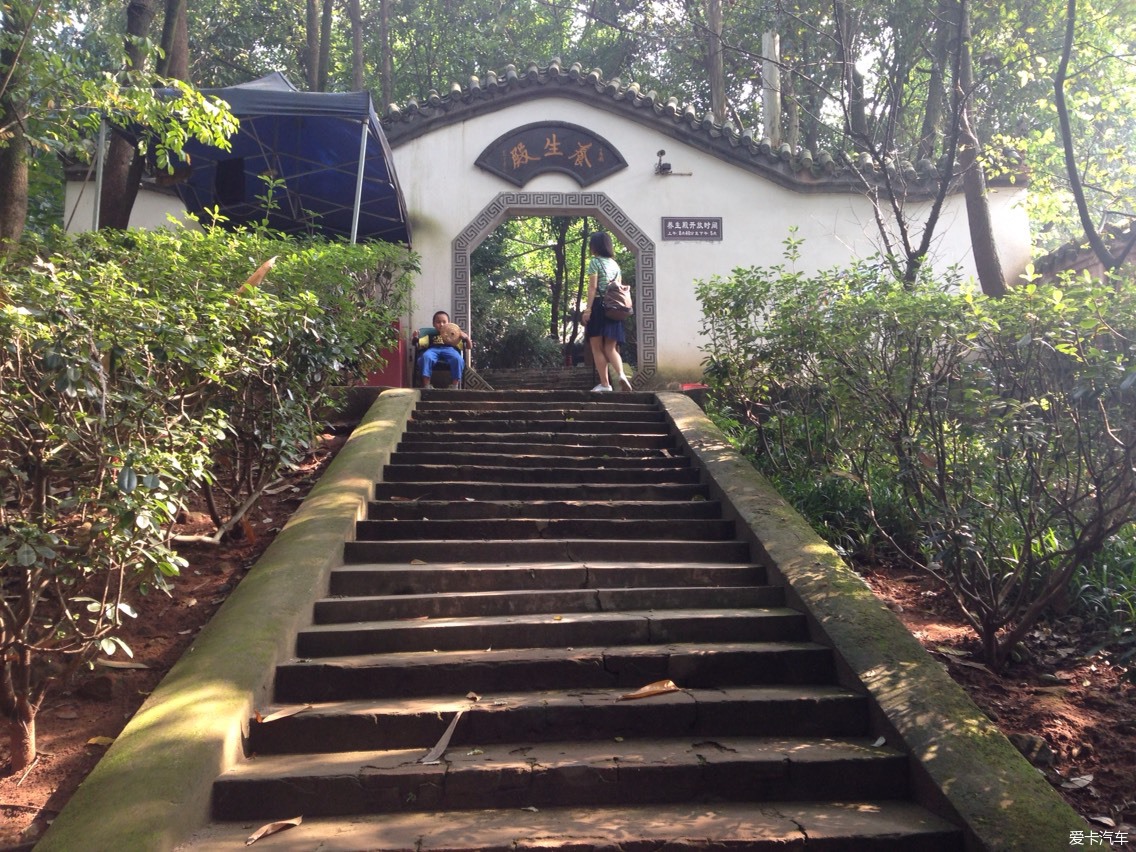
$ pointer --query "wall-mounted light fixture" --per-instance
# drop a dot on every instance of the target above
(664, 169)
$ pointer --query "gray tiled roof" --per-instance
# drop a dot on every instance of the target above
(800, 170)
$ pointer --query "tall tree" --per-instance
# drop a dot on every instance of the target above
(715, 70)
(124, 164)
(985, 251)
(325, 36)
(386, 71)
(355, 13)
(1109, 258)
(312, 52)
(15, 33)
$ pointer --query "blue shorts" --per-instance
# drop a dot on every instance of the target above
(447, 355)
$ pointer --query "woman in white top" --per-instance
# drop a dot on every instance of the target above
(604, 335)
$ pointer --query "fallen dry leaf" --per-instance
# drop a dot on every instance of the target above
(953, 652)
(659, 687)
(281, 714)
(258, 276)
(434, 755)
(1078, 782)
(120, 664)
(100, 741)
(273, 828)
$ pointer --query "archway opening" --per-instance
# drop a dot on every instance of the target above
(601, 209)
(527, 290)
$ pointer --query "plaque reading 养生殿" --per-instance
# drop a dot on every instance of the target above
(551, 146)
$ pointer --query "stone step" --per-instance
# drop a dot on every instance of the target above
(340, 610)
(628, 424)
(610, 445)
(457, 510)
(801, 710)
(555, 630)
(496, 458)
(563, 550)
(559, 450)
(851, 826)
(577, 377)
(520, 529)
(466, 490)
(564, 475)
(574, 774)
(459, 577)
(571, 414)
(621, 403)
(529, 560)
(412, 674)
(505, 399)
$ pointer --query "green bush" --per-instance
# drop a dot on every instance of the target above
(512, 330)
(136, 368)
(992, 441)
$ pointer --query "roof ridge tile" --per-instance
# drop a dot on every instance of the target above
(801, 169)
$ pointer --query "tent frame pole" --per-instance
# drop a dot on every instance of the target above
(100, 159)
(359, 182)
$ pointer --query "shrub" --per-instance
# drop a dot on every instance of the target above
(136, 368)
(1006, 429)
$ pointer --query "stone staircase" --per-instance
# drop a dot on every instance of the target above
(529, 562)
(580, 377)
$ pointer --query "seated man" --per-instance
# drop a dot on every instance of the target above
(440, 350)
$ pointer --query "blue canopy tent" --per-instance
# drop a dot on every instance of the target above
(327, 150)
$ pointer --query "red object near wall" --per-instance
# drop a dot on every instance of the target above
(393, 375)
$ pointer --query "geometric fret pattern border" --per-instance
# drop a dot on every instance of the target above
(512, 204)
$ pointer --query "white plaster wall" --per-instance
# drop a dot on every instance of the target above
(445, 192)
(152, 209)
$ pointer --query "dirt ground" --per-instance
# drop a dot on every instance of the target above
(1070, 711)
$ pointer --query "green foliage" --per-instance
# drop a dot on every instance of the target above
(1104, 594)
(526, 281)
(993, 442)
(136, 368)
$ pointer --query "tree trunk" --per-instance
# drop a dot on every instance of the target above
(311, 54)
(325, 46)
(1107, 259)
(175, 42)
(855, 110)
(13, 182)
(17, 709)
(386, 79)
(933, 114)
(356, 14)
(580, 283)
(986, 260)
(792, 113)
(122, 169)
(21, 742)
(13, 153)
(771, 86)
(560, 253)
(714, 67)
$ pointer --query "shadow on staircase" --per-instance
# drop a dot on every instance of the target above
(445, 647)
(467, 683)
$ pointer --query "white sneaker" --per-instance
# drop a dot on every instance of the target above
(625, 384)
(601, 388)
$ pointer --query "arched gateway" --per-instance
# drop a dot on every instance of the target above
(690, 198)
(596, 204)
